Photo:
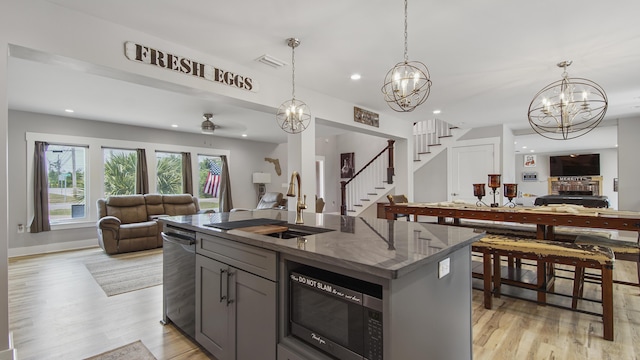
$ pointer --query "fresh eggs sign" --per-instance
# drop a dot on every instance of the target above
(163, 59)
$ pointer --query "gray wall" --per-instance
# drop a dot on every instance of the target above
(245, 158)
(628, 169)
(430, 181)
(483, 132)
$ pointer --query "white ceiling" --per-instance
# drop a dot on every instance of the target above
(487, 59)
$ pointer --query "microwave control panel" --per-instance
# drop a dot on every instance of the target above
(373, 345)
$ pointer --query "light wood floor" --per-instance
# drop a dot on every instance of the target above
(57, 311)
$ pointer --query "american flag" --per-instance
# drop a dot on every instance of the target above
(212, 185)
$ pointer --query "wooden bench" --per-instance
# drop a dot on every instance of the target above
(546, 254)
(530, 231)
(623, 250)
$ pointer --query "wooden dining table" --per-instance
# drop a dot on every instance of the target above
(546, 218)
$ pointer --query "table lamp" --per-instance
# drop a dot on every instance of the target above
(261, 179)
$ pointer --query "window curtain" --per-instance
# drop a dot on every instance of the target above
(226, 204)
(187, 174)
(40, 220)
(142, 178)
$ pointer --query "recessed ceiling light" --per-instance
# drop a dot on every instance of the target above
(244, 135)
(524, 147)
(68, 110)
(532, 150)
(436, 111)
(174, 125)
(355, 77)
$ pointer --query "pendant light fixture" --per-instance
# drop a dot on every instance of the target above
(567, 108)
(407, 85)
(293, 115)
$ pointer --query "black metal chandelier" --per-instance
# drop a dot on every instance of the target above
(294, 115)
(567, 108)
(407, 85)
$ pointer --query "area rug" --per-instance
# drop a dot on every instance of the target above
(135, 350)
(118, 274)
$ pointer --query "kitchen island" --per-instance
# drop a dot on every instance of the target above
(243, 283)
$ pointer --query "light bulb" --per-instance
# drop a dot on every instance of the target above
(396, 81)
(404, 86)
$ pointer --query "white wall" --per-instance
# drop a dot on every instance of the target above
(508, 157)
(364, 147)
(328, 148)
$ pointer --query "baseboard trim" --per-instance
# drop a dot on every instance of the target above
(10, 353)
(49, 248)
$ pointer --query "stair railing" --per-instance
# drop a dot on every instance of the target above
(368, 179)
(428, 133)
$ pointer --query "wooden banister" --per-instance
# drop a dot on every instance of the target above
(390, 173)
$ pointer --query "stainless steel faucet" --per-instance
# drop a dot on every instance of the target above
(300, 205)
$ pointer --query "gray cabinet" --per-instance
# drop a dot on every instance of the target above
(235, 309)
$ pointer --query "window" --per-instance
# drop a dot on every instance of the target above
(66, 167)
(169, 173)
(119, 171)
(209, 173)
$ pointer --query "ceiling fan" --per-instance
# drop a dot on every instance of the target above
(207, 126)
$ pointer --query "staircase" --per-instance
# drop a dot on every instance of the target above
(369, 184)
(430, 138)
(375, 180)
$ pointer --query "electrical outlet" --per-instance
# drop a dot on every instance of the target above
(20, 228)
(444, 267)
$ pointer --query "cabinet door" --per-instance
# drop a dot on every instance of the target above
(212, 315)
(254, 302)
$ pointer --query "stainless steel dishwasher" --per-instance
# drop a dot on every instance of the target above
(179, 284)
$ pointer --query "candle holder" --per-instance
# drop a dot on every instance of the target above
(494, 184)
(510, 191)
(478, 191)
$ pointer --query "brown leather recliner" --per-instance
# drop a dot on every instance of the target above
(128, 222)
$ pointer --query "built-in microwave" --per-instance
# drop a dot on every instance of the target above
(340, 315)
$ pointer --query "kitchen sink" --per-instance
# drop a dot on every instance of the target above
(296, 231)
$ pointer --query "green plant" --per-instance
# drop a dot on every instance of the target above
(120, 174)
(170, 174)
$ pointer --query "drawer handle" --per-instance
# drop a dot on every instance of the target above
(222, 297)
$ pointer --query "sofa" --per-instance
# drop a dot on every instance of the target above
(270, 200)
(129, 222)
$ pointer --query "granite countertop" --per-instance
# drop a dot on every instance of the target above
(384, 248)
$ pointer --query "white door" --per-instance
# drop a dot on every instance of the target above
(471, 164)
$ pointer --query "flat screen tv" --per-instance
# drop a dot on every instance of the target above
(574, 165)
